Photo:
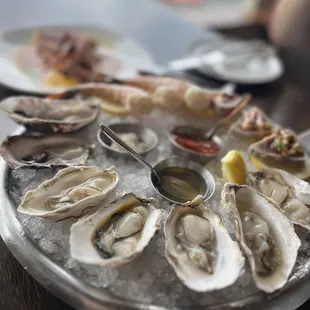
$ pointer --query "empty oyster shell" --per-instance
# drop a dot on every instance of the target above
(72, 190)
(200, 249)
(44, 151)
(252, 126)
(264, 234)
(42, 115)
(289, 192)
(115, 234)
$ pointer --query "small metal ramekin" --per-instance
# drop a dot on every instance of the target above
(182, 151)
(184, 163)
(144, 133)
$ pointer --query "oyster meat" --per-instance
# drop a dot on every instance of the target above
(280, 150)
(44, 151)
(72, 190)
(42, 115)
(115, 234)
(200, 249)
(264, 233)
(289, 192)
(252, 126)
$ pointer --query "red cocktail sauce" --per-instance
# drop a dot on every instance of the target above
(199, 146)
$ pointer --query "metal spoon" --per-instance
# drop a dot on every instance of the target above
(112, 135)
(243, 102)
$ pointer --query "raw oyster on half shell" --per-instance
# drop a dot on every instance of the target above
(115, 234)
(72, 190)
(264, 233)
(200, 249)
(252, 126)
(281, 150)
(44, 151)
(289, 192)
(48, 115)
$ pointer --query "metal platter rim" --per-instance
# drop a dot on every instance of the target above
(80, 295)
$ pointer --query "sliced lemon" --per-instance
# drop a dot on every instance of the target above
(205, 113)
(257, 163)
(234, 168)
(113, 108)
(55, 78)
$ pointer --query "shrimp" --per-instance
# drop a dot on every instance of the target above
(173, 93)
(114, 98)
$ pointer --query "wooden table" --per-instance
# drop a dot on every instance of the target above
(287, 101)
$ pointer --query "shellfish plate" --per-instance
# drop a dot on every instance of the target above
(136, 253)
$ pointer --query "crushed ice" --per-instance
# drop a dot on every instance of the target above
(148, 278)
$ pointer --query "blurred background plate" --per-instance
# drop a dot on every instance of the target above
(244, 62)
(21, 70)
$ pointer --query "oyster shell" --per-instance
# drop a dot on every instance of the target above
(200, 249)
(264, 233)
(257, 123)
(115, 234)
(43, 115)
(44, 151)
(271, 151)
(72, 190)
(289, 192)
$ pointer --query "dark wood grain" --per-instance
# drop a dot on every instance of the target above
(19, 291)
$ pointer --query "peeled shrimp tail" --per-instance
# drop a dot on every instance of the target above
(166, 92)
(134, 99)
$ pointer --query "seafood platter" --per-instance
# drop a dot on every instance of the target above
(93, 229)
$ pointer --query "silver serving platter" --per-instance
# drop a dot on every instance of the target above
(82, 295)
(149, 19)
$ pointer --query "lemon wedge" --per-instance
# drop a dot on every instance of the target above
(55, 78)
(204, 113)
(257, 163)
(234, 168)
(113, 108)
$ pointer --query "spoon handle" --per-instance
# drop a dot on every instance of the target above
(110, 133)
(243, 102)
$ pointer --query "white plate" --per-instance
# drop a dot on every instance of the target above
(246, 62)
(257, 72)
(22, 76)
